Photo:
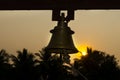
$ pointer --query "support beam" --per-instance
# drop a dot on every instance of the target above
(58, 4)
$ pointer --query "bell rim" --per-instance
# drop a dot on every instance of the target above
(61, 50)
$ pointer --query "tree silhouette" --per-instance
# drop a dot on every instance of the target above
(24, 65)
(52, 68)
(98, 65)
(4, 65)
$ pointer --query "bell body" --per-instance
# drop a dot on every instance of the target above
(61, 40)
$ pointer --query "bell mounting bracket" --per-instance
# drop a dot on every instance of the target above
(56, 15)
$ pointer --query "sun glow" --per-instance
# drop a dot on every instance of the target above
(82, 52)
(82, 49)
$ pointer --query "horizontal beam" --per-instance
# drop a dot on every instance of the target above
(58, 4)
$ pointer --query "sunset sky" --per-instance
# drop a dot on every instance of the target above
(99, 29)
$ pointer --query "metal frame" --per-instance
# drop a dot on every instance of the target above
(58, 4)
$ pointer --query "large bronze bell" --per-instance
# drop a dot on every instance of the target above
(61, 41)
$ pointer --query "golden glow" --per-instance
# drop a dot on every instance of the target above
(82, 52)
(82, 49)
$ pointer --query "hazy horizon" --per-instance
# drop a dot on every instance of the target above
(98, 29)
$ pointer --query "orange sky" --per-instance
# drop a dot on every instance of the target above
(30, 29)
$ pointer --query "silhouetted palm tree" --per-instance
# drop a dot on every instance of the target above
(24, 65)
(4, 65)
(98, 65)
(52, 68)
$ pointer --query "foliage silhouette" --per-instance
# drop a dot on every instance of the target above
(52, 68)
(98, 65)
(24, 65)
(4, 65)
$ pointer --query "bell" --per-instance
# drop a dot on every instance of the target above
(61, 40)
